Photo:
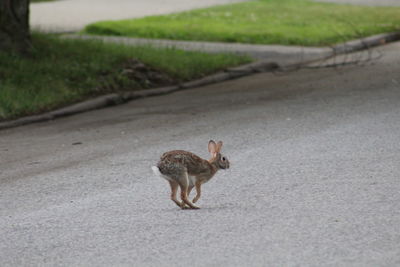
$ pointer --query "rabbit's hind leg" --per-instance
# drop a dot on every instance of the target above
(184, 185)
(174, 189)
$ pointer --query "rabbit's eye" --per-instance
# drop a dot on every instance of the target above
(223, 158)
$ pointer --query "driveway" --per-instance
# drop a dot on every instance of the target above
(314, 178)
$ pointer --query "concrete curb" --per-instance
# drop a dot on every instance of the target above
(230, 73)
(366, 43)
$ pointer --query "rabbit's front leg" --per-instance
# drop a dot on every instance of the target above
(198, 192)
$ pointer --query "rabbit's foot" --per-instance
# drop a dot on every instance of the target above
(193, 207)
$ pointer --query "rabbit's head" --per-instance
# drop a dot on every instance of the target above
(218, 159)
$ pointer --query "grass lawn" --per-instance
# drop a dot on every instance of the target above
(60, 72)
(37, 1)
(287, 22)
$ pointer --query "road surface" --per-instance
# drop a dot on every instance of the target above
(314, 178)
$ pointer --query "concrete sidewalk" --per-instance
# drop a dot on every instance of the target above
(282, 55)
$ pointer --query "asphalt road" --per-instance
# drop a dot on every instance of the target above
(314, 178)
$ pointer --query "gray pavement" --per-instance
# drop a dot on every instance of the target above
(283, 55)
(314, 178)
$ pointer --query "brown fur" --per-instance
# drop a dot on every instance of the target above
(179, 166)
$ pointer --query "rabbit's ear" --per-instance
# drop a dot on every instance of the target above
(219, 146)
(212, 147)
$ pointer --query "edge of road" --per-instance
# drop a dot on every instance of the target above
(228, 74)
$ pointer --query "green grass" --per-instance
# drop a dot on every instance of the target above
(287, 22)
(60, 72)
(37, 1)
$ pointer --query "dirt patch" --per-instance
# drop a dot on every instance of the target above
(146, 75)
(134, 75)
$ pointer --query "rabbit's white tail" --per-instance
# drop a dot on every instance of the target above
(156, 171)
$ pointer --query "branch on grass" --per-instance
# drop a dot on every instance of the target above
(358, 52)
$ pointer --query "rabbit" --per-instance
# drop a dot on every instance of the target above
(187, 170)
